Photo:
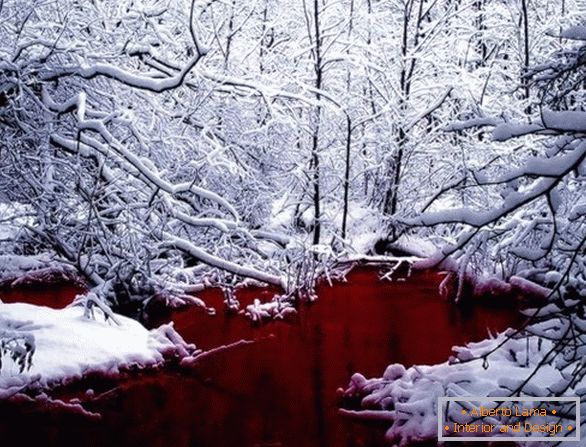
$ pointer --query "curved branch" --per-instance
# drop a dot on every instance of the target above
(125, 77)
(214, 261)
(558, 169)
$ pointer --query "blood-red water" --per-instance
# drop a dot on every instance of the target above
(279, 390)
(56, 296)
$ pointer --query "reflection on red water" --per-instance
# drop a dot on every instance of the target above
(280, 390)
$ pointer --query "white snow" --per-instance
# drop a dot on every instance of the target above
(67, 345)
(276, 309)
(12, 216)
(407, 398)
(17, 269)
(574, 33)
(568, 120)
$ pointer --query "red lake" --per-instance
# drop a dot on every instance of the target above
(278, 388)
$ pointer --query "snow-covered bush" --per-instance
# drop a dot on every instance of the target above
(526, 214)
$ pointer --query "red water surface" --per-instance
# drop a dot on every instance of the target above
(56, 296)
(279, 390)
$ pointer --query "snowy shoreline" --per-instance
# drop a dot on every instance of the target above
(18, 270)
(69, 347)
(65, 346)
(499, 366)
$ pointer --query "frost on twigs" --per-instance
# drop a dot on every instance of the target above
(230, 301)
(125, 188)
(278, 308)
(91, 303)
(305, 267)
(399, 270)
(524, 218)
(17, 346)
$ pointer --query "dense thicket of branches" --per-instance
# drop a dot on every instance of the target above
(148, 141)
(525, 209)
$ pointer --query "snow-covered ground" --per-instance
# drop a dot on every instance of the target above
(45, 347)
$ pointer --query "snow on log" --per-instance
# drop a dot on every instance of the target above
(506, 131)
(150, 83)
(223, 264)
(574, 33)
(552, 169)
(565, 121)
(527, 287)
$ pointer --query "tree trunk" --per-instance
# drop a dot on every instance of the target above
(526, 59)
(391, 204)
(316, 177)
(348, 134)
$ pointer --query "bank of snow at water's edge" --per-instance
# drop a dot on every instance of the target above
(407, 398)
(17, 269)
(67, 345)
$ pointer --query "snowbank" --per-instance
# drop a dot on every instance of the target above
(17, 270)
(66, 345)
(407, 398)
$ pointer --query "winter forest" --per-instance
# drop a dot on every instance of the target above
(359, 205)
